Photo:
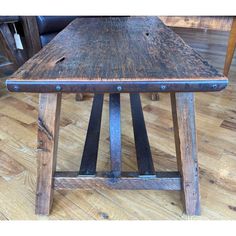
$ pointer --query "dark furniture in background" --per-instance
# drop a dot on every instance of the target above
(15, 57)
(50, 26)
(40, 30)
(35, 31)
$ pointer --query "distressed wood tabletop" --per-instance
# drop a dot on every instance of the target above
(124, 54)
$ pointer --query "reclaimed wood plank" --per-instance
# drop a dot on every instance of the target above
(48, 132)
(116, 49)
(128, 181)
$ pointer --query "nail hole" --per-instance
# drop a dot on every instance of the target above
(60, 60)
(147, 34)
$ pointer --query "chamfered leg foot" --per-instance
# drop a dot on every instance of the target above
(48, 132)
(183, 114)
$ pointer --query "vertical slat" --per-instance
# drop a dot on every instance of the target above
(115, 134)
(186, 149)
(143, 152)
(48, 132)
(89, 157)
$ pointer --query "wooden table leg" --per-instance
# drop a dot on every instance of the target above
(48, 132)
(186, 149)
(230, 48)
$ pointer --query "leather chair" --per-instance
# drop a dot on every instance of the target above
(50, 26)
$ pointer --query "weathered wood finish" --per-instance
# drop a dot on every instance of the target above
(230, 48)
(90, 153)
(48, 132)
(128, 181)
(115, 134)
(143, 151)
(33, 43)
(183, 114)
(116, 49)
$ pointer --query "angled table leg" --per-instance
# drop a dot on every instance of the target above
(48, 132)
(186, 149)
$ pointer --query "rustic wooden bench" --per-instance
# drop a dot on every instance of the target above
(117, 55)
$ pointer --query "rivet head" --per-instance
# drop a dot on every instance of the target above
(58, 88)
(16, 88)
(119, 88)
(163, 87)
(214, 86)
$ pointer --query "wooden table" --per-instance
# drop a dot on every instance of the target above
(117, 55)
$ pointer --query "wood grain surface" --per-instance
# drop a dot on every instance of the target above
(116, 48)
(183, 114)
(127, 181)
(48, 133)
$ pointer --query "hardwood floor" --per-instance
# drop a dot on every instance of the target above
(216, 133)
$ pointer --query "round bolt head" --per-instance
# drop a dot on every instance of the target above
(163, 87)
(16, 88)
(214, 86)
(119, 88)
(58, 88)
